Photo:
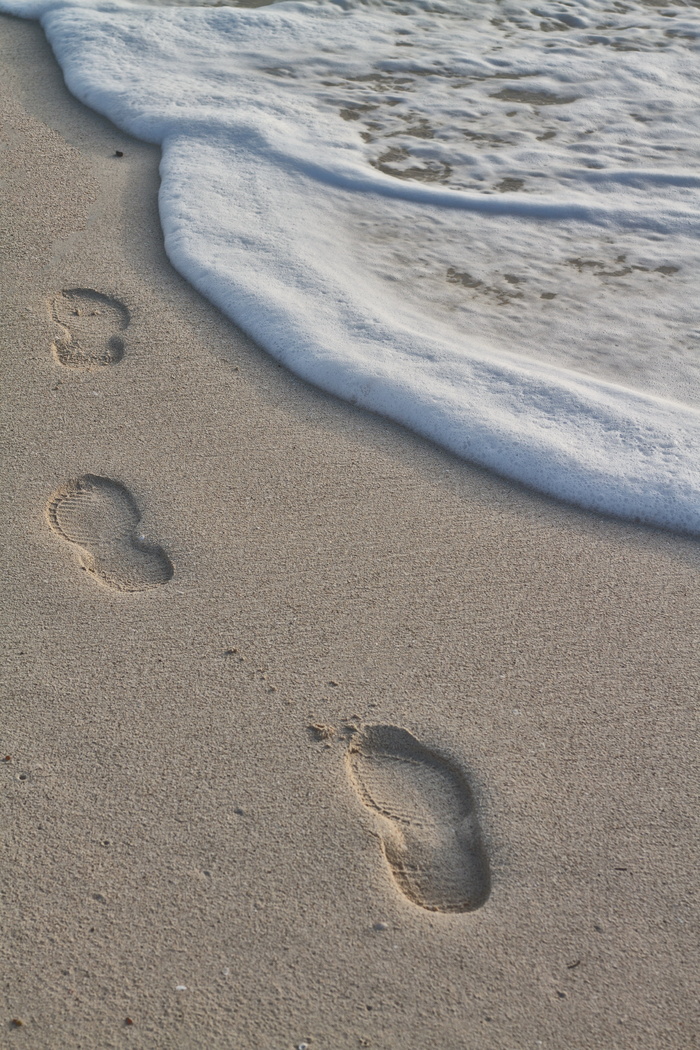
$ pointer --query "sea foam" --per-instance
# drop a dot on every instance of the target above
(478, 219)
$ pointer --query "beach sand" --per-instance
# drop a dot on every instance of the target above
(182, 850)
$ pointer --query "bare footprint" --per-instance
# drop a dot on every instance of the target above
(100, 517)
(90, 324)
(430, 832)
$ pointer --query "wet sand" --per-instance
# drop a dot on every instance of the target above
(183, 850)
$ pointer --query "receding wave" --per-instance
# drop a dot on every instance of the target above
(479, 221)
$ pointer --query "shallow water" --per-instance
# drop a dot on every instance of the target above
(471, 217)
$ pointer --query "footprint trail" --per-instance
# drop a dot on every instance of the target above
(90, 325)
(100, 517)
(430, 832)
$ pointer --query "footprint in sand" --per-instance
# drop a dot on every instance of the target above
(430, 832)
(100, 517)
(89, 324)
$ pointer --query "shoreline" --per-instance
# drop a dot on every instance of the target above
(549, 652)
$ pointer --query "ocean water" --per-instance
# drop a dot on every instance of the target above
(479, 218)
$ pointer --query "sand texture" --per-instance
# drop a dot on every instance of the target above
(314, 734)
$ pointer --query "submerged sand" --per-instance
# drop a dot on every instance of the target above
(183, 850)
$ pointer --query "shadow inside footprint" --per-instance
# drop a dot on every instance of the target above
(90, 324)
(100, 517)
(430, 831)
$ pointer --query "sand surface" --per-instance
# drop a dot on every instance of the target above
(181, 849)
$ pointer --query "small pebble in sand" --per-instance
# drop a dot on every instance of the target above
(16, 1023)
(380, 926)
(180, 987)
(118, 153)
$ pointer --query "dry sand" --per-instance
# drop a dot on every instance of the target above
(171, 820)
